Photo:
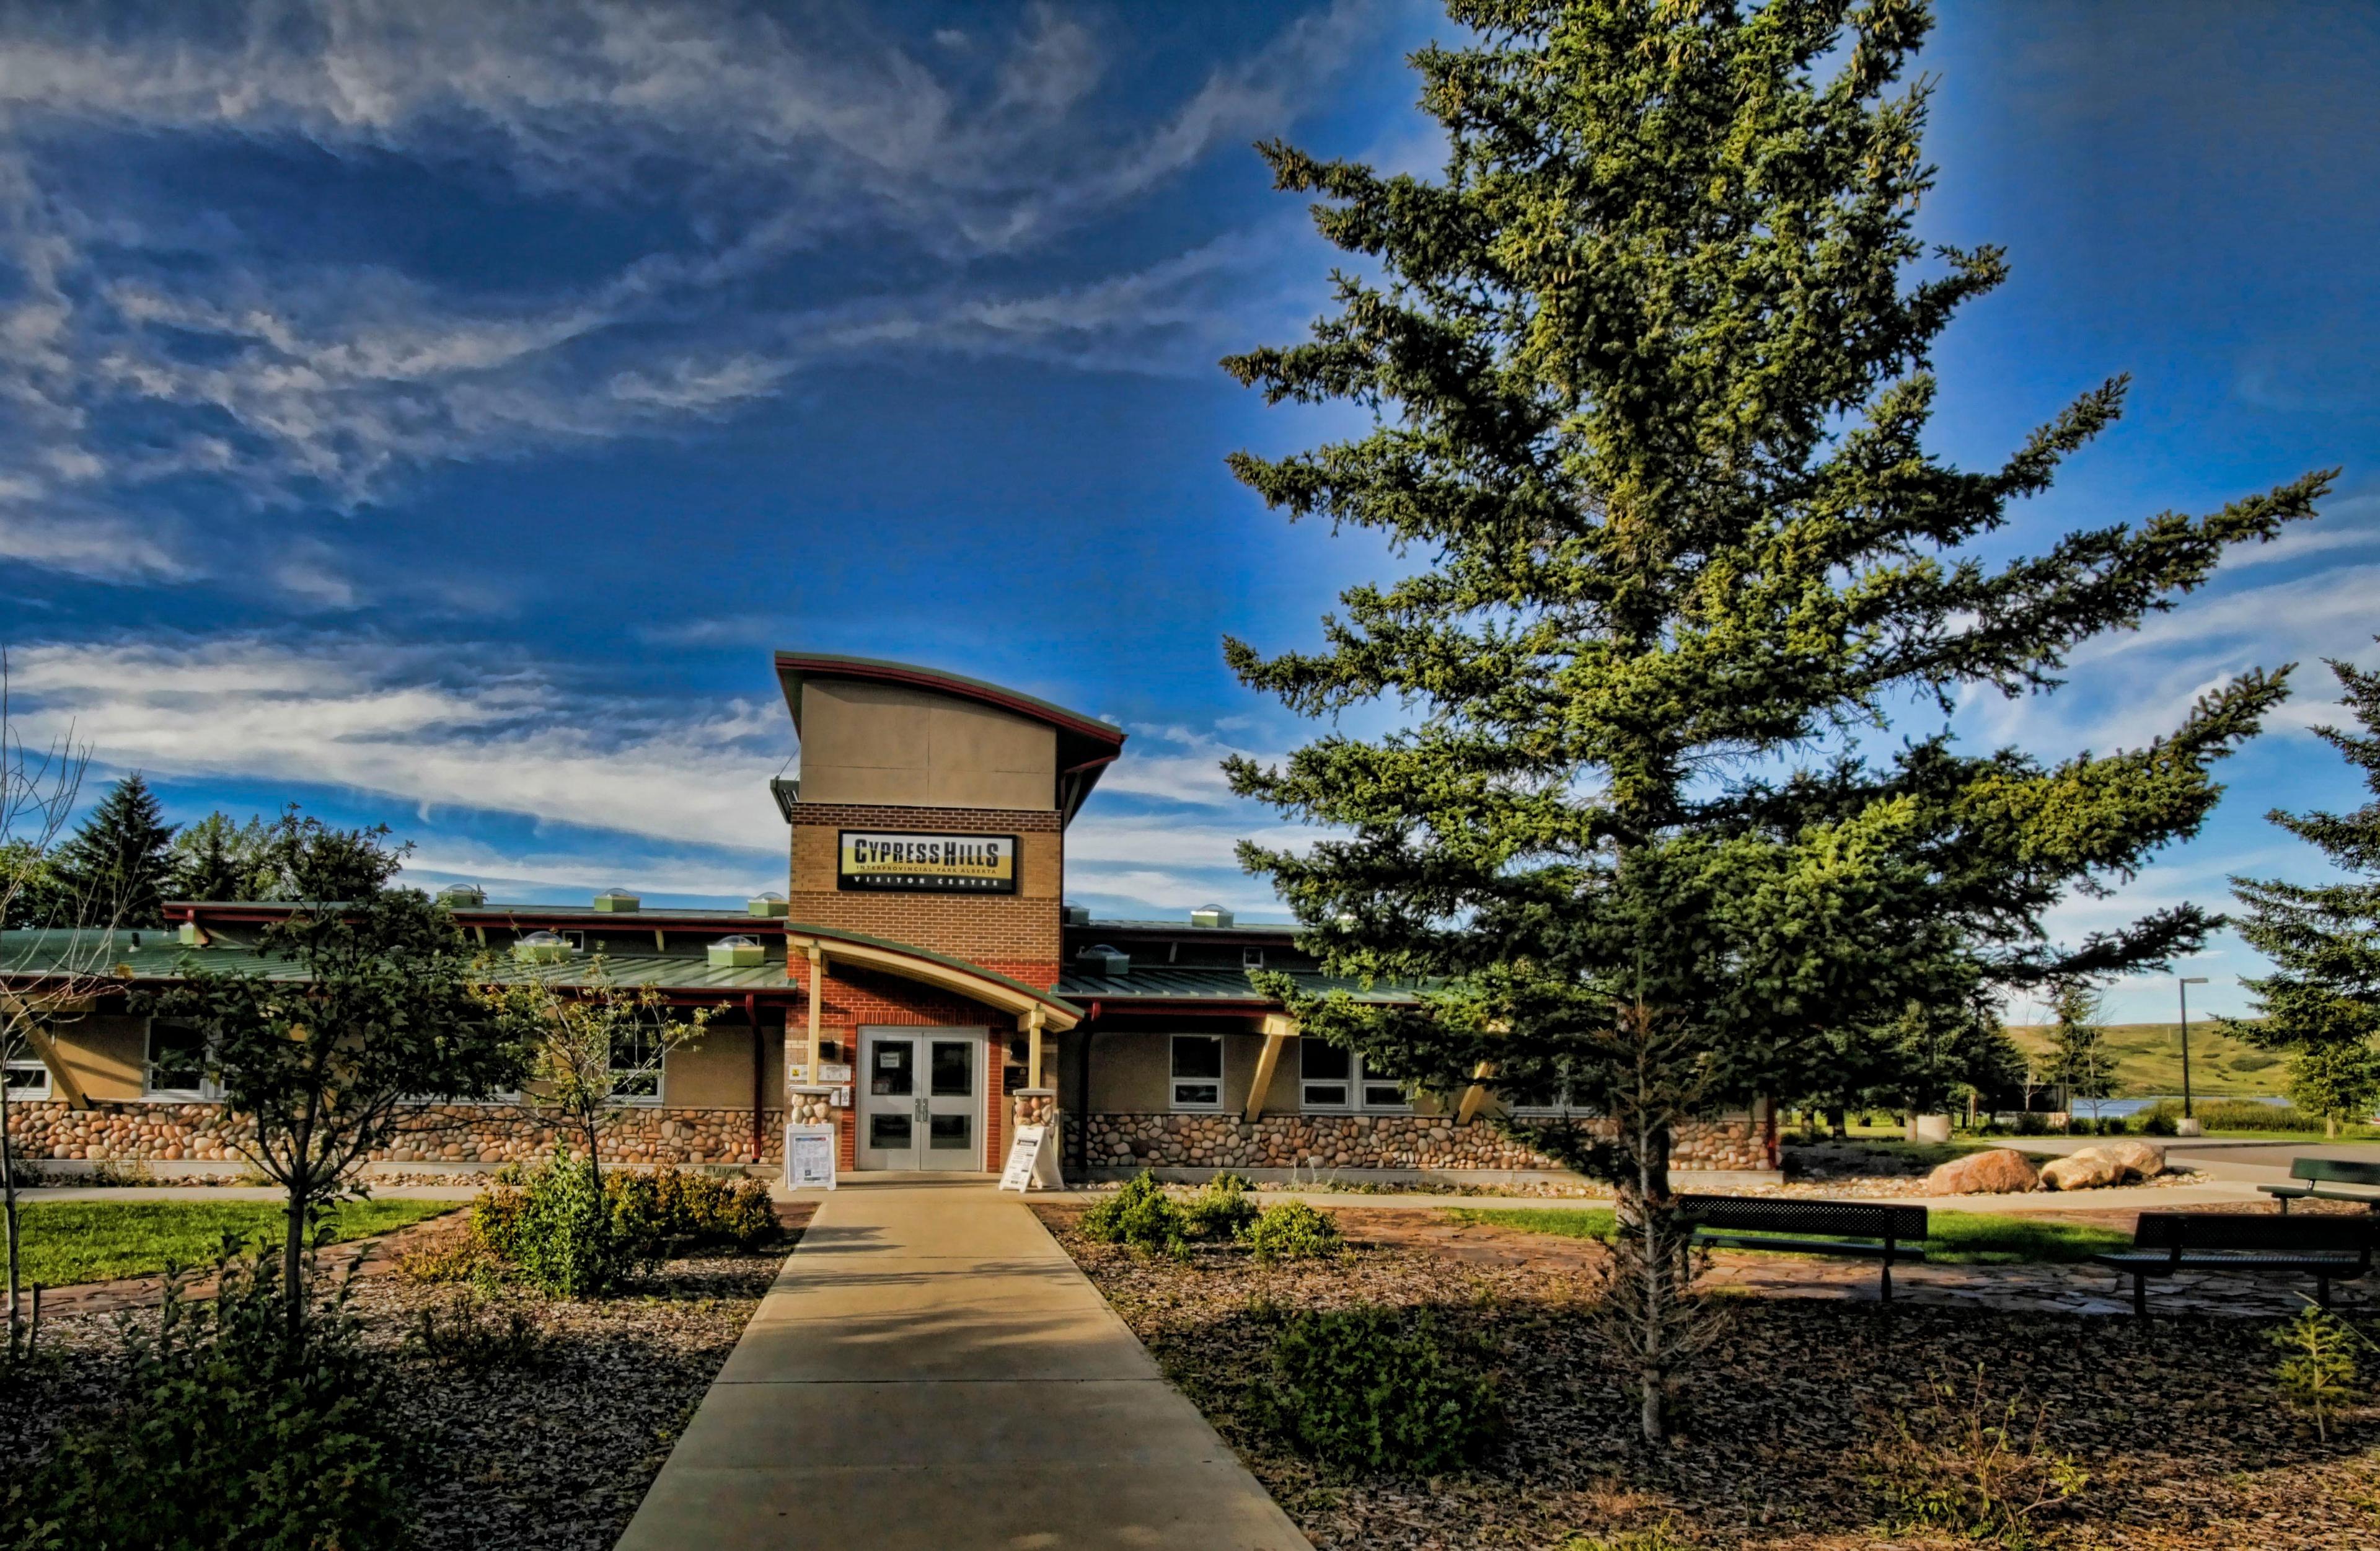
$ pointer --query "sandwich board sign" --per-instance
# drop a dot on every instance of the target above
(810, 1158)
(1031, 1164)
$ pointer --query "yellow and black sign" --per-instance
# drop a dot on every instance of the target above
(896, 863)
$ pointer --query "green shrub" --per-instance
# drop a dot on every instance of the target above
(2154, 1122)
(496, 1213)
(2317, 1369)
(2242, 1114)
(1139, 1215)
(1968, 1463)
(564, 1242)
(1219, 1213)
(230, 1436)
(477, 1330)
(1369, 1388)
(1293, 1230)
(671, 1208)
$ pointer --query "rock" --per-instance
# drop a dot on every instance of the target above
(2143, 1158)
(2089, 1169)
(1998, 1172)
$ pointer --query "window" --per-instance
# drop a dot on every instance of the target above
(28, 1080)
(1330, 1078)
(177, 1062)
(1197, 1072)
(636, 1068)
(1251, 959)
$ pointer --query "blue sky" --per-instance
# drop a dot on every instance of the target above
(435, 413)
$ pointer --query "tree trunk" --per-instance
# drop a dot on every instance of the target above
(293, 1252)
(8, 1210)
(2329, 1130)
(1838, 1123)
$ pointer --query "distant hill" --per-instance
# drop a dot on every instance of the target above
(2148, 1060)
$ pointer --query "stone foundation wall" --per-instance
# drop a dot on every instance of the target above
(141, 1133)
(1035, 1106)
(1406, 1142)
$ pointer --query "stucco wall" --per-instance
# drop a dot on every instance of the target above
(887, 743)
(715, 1070)
(106, 1052)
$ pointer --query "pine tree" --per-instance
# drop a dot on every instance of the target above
(116, 868)
(2078, 1062)
(1649, 379)
(218, 859)
(2322, 1001)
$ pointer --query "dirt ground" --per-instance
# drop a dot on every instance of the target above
(550, 1447)
(2177, 1426)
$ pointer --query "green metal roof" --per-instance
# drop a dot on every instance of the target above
(1164, 984)
(46, 955)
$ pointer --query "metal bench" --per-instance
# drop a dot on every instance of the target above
(1873, 1230)
(2322, 1179)
(2325, 1247)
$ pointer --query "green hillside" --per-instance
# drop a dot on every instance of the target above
(2148, 1059)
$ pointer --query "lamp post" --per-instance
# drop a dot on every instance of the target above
(2190, 1126)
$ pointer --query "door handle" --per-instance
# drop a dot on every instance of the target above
(921, 1110)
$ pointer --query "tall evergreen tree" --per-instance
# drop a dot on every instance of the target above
(218, 858)
(1649, 376)
(116, 868)
(2322, 1001)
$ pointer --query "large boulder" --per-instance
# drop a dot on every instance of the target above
(2089, 1169)
(2144, 1159)
(2002, 1171)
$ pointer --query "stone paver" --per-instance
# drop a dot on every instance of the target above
(930, 1370)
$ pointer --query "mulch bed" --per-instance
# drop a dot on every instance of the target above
(2185, 1442)
(549, 1449)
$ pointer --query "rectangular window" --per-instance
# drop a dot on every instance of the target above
(177, 1062)
(636, 1067)
(28, 1080)
(1197, 1072)
(1332, 1079)
(1251, 959)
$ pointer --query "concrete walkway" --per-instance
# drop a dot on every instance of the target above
(929, 1370)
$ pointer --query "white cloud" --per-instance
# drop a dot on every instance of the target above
(753, 135)
(379, 719)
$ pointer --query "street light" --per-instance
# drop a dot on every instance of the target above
(2188, 1126)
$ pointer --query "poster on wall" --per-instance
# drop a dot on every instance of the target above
(884, 861)
(810, 1158)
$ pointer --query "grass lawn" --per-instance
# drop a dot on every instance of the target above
(1959, 1238)
(69, 1241)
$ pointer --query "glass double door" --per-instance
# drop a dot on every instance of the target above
(920, 1104)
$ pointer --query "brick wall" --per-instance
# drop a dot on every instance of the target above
(983, 929)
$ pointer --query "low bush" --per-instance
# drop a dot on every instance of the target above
(1374, 1389)
(1293, 1230)
(477, 1330)
(231, 1434)
(2317, 1369)
(563, 1242)
(669, 1208)
(1220, 1212)
(1140, 1216)
(1976, 1466)
(2241, 1114)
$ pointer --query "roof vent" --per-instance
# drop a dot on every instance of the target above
(1211, 915)
(463, 897)
(543, 948)
(773, 905)
(1075, 915)
(617, 901)
(1103, 961)
(736, 953)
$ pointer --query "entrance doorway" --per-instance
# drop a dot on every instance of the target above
(920, 1098)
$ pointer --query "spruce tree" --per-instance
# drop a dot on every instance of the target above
(218, 859)
(2322, 1001)
(116, 868)
(1648, 369)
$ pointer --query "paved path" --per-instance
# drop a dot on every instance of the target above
(929, 1370)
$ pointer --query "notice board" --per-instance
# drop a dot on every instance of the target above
(1032, 1165)
(810, 1158)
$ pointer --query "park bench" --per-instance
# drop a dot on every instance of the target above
(2328, 1179)
(2325, 1247)
(1873, 1230)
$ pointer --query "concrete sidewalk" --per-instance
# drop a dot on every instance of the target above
(930, 1370)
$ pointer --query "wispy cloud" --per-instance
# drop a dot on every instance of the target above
(158, 338)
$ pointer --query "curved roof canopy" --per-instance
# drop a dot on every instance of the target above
(1086, 746)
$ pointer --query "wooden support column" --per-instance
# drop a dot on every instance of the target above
(1279, 1030)
(63, 1082)
(817, 973)
(1033, 1022)
(1476, 1095)
(752, 1025)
